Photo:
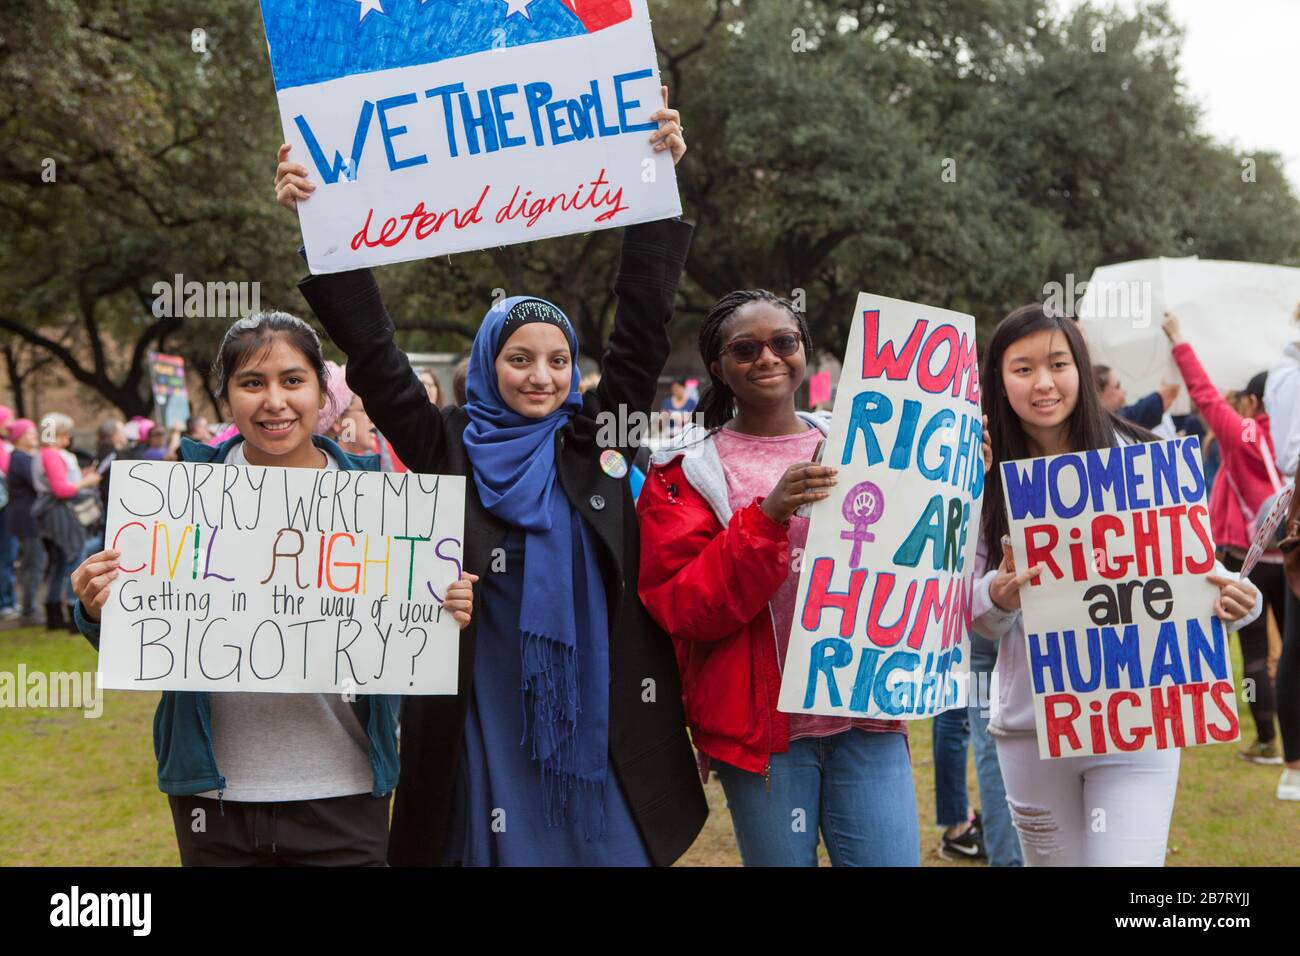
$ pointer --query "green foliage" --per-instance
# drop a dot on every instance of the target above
(958, 152)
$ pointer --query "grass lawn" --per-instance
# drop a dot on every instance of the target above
(82, 792)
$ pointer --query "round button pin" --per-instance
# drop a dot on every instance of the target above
(613, 463)
(597, 502)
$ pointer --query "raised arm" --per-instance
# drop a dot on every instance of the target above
(653, 257)
(349, 306)
(352, 311)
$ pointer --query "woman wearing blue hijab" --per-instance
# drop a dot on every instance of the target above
(566, 743)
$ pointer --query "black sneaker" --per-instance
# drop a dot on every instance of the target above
(967, 846)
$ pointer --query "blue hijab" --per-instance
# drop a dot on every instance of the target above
(563, 628)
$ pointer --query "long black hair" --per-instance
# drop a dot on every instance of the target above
(1090, 425)
(717, 403)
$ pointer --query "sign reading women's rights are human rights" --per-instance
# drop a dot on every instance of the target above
(1123, 647)
(440, 126)
(883, 606)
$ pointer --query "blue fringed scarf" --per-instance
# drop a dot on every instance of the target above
(564, 631)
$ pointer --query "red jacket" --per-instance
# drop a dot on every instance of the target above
(1245, 452)
(709, 588)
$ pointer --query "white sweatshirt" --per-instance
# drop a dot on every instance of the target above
(1281, 392)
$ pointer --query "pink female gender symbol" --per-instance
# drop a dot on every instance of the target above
(863, 506)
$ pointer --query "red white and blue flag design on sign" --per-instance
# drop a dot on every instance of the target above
(345, 37)
(438, 126)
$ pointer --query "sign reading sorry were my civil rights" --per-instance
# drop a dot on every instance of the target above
(439, 127)
(1124, 650)
(242, 578)
(885, 581)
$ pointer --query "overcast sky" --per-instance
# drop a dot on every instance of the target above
(1241, 62)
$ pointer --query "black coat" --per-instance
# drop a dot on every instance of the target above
(22, 497)
(648, 746)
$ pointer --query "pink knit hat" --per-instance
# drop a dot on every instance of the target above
(20, 427)
(337, 399)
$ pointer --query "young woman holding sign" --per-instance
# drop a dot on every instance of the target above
(719, 526)
(271, 779)
(1111, 810)
(566, 744)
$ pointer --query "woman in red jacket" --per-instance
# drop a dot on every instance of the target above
(720, 542)
(1247, 478)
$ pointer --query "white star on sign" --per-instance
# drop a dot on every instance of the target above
(517, 6)
(368, 5)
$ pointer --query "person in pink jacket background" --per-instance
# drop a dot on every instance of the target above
(1248, 477)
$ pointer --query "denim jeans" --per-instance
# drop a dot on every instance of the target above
(855, 788)
(1000, 840)
(8, 554)
(951, 734)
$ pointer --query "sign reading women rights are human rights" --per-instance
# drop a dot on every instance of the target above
(1124, 650)
(440, 126)
(885, 580)
(281, 579)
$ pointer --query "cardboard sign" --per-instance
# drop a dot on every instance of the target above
(431, 128)
(1121, 307)
(1268, 530)
(170, 394)
(1124, 650)
(819, 388)
(885, 581)
(281, 579)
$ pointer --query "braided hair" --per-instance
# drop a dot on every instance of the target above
(717, 403)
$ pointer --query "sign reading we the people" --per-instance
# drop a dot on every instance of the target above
(885, 580)
(1124, 650)
(281, 579)
(439, 126)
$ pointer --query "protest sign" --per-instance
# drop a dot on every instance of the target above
(1123, 648)
(1121, 306)
(885, 580)
(431, 128)
(819, 388)
(281, 579)
(170, 394)
(1265, 536)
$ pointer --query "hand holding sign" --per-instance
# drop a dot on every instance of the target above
(291, 182)
(1004, 590)
(460, 598)
(1236, 598)
(669, 134)
(802, 483)
(91, 580)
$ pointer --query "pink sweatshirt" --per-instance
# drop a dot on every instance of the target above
(56, 473)
(1248, 473)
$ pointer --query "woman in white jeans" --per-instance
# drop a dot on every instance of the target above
(1110, 810)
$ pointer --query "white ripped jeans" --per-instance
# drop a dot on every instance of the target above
(1108, 810)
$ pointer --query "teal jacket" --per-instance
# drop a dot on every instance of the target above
(182, 725)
